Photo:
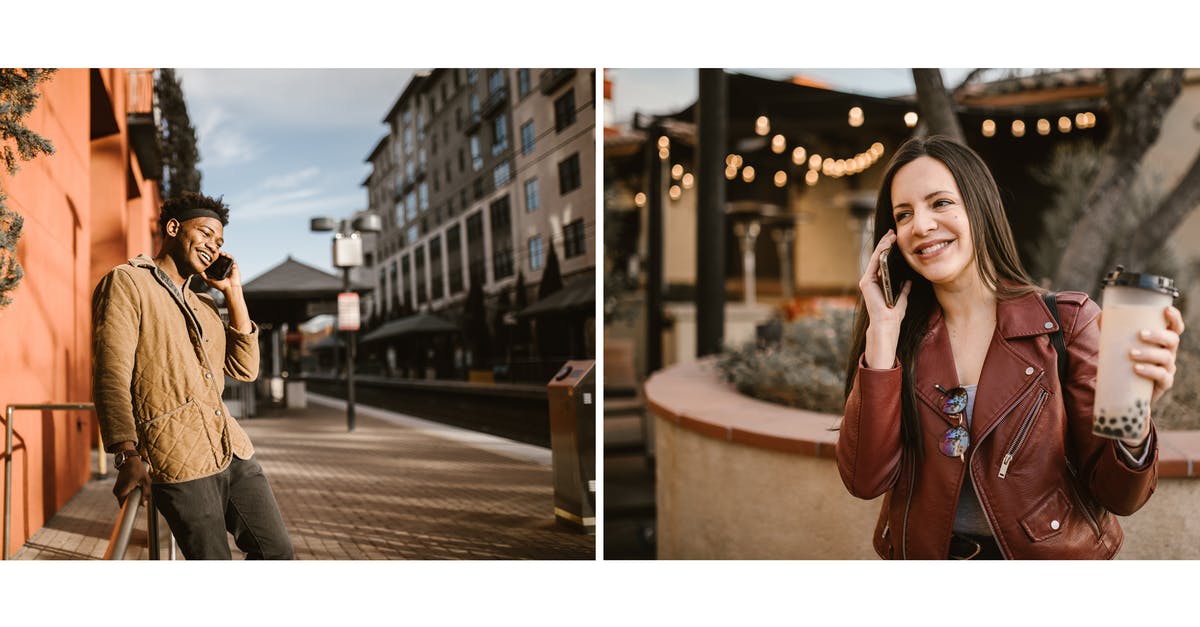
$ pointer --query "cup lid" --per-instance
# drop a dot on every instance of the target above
(1120, 278)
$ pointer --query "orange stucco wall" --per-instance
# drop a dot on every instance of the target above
(87, 208)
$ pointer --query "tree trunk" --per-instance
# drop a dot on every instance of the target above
(1138, 100)
(937, 107)
(1166, 217)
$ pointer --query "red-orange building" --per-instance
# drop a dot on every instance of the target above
(87, 208)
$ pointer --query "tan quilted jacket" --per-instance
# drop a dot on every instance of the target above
(159, 356)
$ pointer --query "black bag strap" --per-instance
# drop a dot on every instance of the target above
(1056, 338)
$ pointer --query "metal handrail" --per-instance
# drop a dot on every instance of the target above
(119, 542)
(8, 451)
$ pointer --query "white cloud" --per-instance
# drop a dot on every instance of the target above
(221, 145)
(291, 179)
(306, 202)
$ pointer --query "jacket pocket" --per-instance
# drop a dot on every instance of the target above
(1048, 518)
(170, 440)
(1022, 434)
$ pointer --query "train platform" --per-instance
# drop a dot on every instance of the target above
(398, 487)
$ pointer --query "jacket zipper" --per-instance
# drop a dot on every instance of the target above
(987, 513)
(1022, 434)
(1079, 501)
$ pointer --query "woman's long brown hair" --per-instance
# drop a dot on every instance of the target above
(995, 253)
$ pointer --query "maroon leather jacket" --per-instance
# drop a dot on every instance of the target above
(1053, 499)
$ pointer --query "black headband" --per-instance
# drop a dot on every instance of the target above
(198, 212)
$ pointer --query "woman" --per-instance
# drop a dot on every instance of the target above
(1031, 480)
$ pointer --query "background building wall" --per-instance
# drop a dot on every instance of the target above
(87, 208)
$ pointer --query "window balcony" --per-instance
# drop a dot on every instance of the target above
(142, 115)
(495, 102)
(554, 78)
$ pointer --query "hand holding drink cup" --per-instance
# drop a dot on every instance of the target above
(1140, 333)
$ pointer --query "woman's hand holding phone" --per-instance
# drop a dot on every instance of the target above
(883, 329)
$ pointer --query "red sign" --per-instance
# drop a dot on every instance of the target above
(348, 319)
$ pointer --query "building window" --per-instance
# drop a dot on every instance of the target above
(564, 110)
(423, 196)
(531, 195)
(478, 188)
(523, 86)
(407, 270)
(501, 174)
(413, 234)
(495, 81)
(462, 161)
(537, 254)
(419, 256)
(476, 157)
(410, 205)
(472, 75)
(458, 118)
(573, 239)
(400, 213)
(454, 258)
(475, 252)
(436, 288)
(502, 246)
(568, 175)
(499, 134)
(527, 138)
(408, 140)
(474, 104)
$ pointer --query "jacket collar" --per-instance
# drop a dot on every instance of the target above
(144, 261)
(1007, 373)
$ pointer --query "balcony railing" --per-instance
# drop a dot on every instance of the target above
(495, 102)
(554, 78)
(142, 117)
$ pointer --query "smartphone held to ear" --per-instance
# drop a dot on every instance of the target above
(220, 268)
(889, 279)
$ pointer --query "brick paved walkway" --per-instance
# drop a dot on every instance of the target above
(390, 490)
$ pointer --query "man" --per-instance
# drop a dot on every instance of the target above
(160, 355)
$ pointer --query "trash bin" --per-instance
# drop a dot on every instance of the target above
(572, 396)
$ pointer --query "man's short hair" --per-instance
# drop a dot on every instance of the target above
(186, 203)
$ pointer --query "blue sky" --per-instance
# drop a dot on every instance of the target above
(283, 146)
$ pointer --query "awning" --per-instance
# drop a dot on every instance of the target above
(328, 343)
(416, 324)
(578, 295)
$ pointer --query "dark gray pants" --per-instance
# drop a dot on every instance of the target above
(237, 500)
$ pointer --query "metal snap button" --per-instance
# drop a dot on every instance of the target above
(1029, 370)
(1054, 524)
(208, 375)
(218, 412)
(1049, 325)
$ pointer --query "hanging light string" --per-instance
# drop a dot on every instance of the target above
(1082, 121)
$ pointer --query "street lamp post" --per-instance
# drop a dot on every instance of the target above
(347, 255)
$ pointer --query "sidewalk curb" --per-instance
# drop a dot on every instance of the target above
(491, 443)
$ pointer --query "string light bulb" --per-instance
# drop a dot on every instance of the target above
(748, 174)
(689, 181)
(811, 178)
(814, 162)
(639, 199)
(677, 171)
(778, 144)
(856, 117)
(675, 192)
(1018, 128)
(762, 125)
(910, 119)
(989, 128)
(730, 172)
(1064, 124)
(780, 178)
(1043, 126)
(799, 155)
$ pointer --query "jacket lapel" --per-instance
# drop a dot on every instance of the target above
(1008, 373)
(935, 366)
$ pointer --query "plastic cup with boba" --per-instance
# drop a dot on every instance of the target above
(1132, 302)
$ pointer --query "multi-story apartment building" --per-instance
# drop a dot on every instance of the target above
(480, 170)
